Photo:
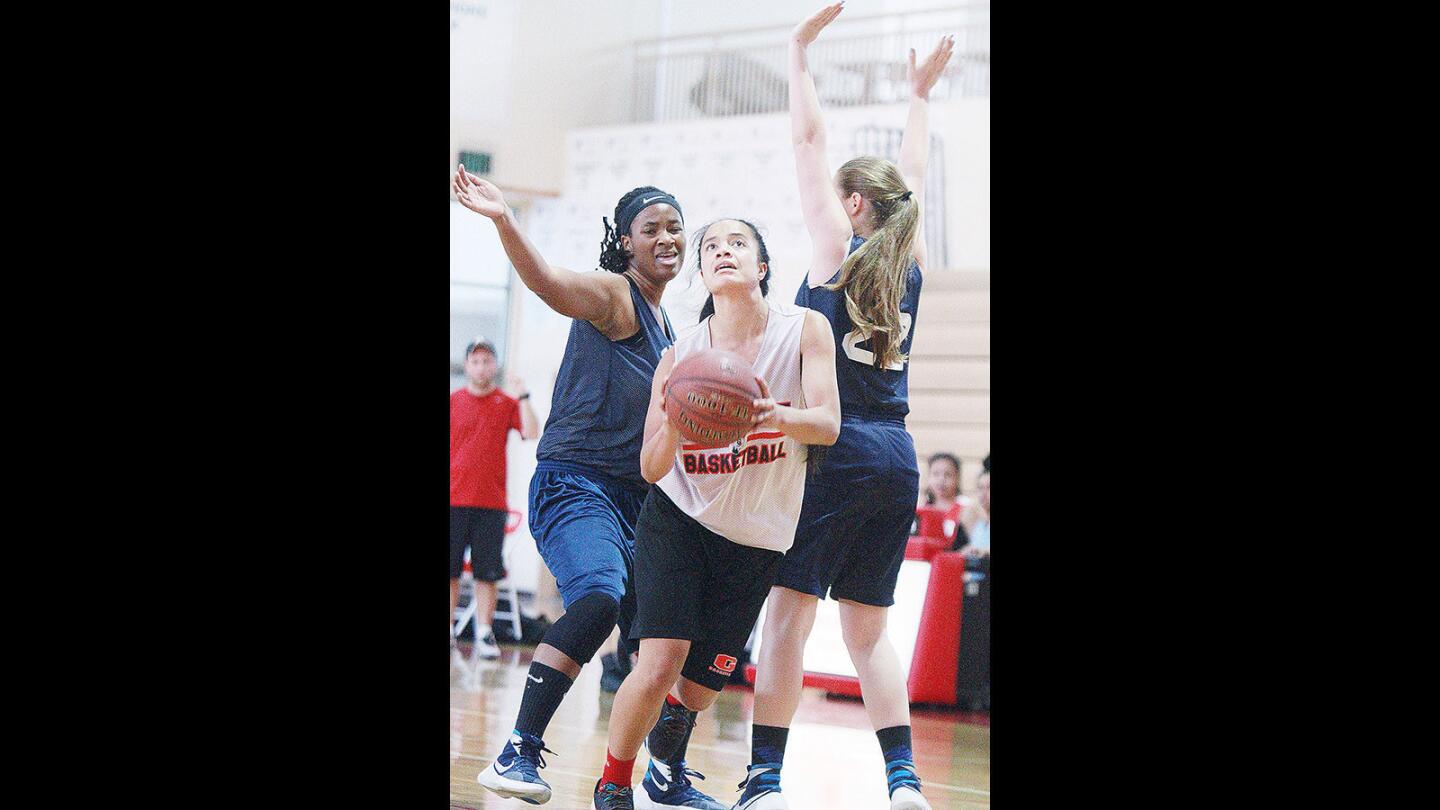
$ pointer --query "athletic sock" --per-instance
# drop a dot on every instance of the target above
(544, 689)
(767, 744)
(899, 761)
(617, 771)
(670, 737)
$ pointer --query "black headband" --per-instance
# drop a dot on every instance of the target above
(640, 203)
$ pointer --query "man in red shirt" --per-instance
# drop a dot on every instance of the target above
(481, 418)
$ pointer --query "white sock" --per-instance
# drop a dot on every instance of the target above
(483, 631)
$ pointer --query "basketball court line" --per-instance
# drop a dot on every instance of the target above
(551, 769)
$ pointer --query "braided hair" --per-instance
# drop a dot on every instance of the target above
(613, 256)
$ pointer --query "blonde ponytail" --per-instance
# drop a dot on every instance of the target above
(873, 277)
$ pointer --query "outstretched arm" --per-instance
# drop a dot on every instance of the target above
(594, 297)
(915, 145)
(825, 219)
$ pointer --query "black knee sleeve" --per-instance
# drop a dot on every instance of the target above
(584, 627)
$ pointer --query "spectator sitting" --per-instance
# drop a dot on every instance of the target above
(978, 521)
(939, 513)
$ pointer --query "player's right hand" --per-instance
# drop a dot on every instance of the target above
(479, 195)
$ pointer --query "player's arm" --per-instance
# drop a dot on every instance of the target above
(819, 421)
(662, 440)
(825, 219)
(594, 297)
(915, 144)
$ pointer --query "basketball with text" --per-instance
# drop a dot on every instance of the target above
(709, 397)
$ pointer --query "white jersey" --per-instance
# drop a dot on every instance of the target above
(749, 492)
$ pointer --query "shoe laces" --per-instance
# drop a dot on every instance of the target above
(681, 779)
(529, 755)
(610, 790)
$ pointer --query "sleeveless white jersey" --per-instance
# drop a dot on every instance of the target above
(750, 492)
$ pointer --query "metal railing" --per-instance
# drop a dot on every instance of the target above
(858, 61)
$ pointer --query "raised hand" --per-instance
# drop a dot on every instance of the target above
(806, 32)
(514, 386)
(480, 196)
(924, 77)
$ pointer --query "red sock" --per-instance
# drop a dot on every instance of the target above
(617, 771)
(669, 698)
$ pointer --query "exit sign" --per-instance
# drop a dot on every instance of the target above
(476, 162)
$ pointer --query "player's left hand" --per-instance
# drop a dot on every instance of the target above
(928, 73)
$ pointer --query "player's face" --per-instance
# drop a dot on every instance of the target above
(480, 367)
(943, 479)
(984, 486)
(729, 255)
(657, 241)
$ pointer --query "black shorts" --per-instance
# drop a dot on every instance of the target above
(693, 584)
(483, 530)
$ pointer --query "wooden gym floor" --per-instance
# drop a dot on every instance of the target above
(832, 759)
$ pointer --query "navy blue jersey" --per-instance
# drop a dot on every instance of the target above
(866, 392)
(597, 413)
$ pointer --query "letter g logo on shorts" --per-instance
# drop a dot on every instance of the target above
(724, 664)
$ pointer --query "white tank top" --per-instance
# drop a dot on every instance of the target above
(750, 492)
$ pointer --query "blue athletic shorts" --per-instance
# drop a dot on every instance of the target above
(856, 517)
(583, 523)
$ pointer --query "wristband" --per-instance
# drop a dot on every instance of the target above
(525, 395)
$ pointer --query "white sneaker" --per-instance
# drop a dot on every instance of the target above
(486, 646)
(905, 798)
(764, 801)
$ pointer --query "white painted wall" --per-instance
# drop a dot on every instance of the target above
(523, 74)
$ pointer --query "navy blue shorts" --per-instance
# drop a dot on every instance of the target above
(584, 528)
(856, 518)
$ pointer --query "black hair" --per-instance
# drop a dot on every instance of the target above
(986, 463)
(955, 462)
(762, 252)
(613, 256)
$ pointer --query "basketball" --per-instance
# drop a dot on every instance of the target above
(708, 397)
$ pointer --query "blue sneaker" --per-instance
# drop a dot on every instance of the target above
(762, 789)
(610, 796)
(668, 785)
(513, 774)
